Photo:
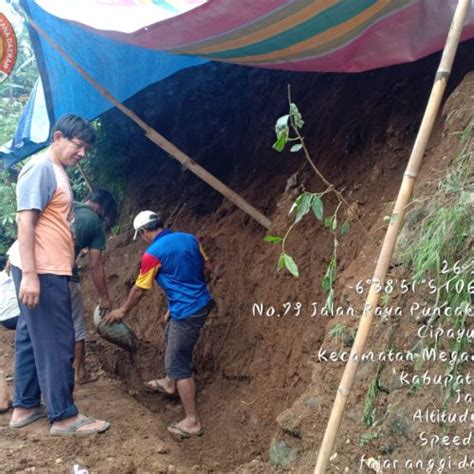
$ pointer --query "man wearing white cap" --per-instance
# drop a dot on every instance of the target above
(178, 263)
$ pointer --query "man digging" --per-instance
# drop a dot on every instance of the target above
(179, 265)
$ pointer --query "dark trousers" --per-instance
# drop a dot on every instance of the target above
(44, 349)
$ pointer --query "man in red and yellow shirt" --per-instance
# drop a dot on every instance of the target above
(176, 261)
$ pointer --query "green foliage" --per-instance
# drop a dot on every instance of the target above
(369, 407)
(7, 214)
(338, 331)
(367, 437)
(282, 129)
(14, 91)
(292, 123)
(439, 247)
(104, 166)
(285, 261)
(342, 334)
(344, 228)
(317, 207)
(273, 239)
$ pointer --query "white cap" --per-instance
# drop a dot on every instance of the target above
(142, 219)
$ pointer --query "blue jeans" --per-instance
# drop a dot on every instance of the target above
(44, 349)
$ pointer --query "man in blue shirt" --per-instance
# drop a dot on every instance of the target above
(179, 265)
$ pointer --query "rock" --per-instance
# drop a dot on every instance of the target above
(401, 423)
(161, 449)
(289, 422)
(281, 454)
(389, 379)
(313, 403)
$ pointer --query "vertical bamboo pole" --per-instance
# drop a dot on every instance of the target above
(159, 139)
(406, 189)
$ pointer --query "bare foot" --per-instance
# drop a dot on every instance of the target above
(25, 416)
(185, 429)
(166, 386)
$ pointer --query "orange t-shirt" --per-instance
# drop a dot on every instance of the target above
(44, 186)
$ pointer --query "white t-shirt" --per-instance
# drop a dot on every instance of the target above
(8, 302)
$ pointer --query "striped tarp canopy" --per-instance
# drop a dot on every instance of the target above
(127, 45)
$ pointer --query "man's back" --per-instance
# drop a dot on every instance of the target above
(177, 261)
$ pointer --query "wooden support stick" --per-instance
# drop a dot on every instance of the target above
(85, 177)
(391, 235)
(159, 139)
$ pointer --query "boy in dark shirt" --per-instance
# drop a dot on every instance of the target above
(99, 211)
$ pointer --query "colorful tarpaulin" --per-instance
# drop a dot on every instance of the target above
(128, 44)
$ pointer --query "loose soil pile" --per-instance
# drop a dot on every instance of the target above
(259, 382)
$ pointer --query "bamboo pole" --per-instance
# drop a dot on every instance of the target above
(405, 192)
(159, 139)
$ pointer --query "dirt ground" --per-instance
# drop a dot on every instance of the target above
(259, 383)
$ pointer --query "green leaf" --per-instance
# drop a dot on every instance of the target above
(279, 145)
(273, 239)
(290, 265)
(317, 206)
(329, 222)
(329, 277)
(281, 262)
(296, 147)
(326, 284)
(296, 115)
(330, 300)
(281, 124)
(303, 204)
(345, 228)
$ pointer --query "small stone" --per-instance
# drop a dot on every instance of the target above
(334, 456)
(281, 454)
(171, 468)
(313, 402)
(58, 461)
(161, 449)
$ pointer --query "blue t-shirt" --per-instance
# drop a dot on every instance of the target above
(176, 261)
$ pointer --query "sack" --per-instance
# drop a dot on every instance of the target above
(117, 333)
(8, 302)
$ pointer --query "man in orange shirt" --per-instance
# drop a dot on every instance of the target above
(41, 261)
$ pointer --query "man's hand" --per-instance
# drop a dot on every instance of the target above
(105, 304)
(8, 268)
(113, 316)
(29, 290)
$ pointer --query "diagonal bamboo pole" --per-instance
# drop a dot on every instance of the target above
(159, 139)
(406, 189)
